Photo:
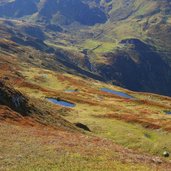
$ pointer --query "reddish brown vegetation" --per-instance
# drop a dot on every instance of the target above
(10, 116)
(144, 121)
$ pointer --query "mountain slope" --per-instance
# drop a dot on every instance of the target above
(43, 134)
(37, 134)
(52, 26)
(17, 8)
(63, 66)
(53, 10)
(138, 68)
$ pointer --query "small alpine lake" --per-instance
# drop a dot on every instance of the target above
(61, 102)
(118, 93)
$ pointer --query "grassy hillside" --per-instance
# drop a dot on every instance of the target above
(126, 134)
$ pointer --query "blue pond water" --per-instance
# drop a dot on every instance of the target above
(119, 93)
(61, 102)
(169, 113)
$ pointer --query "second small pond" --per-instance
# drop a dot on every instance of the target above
(61, 102)
(118, 93)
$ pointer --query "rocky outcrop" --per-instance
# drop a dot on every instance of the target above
(14, 99)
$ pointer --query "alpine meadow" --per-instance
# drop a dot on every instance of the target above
(85, 85)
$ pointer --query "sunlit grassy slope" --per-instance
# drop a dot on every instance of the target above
(46, 149)
(138, 124)
(106, 114)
